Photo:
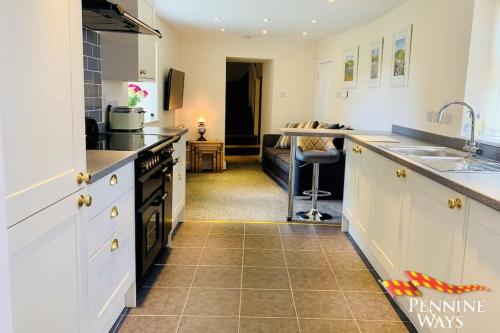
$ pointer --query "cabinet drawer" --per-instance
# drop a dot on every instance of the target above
(108, 221)
(110, 273)
(109, 188)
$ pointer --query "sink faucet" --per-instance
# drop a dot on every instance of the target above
(471, 147)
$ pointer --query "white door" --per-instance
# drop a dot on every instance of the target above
(42, 112)
(46, 269)
(324, 92)
(147, 43)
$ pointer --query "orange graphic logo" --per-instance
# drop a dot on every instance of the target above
(410, 288)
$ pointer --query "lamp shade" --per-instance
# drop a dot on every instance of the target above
(201, 119)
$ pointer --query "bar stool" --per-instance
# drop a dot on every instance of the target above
(316, 157)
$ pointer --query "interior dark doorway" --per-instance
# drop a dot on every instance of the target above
(243, 108)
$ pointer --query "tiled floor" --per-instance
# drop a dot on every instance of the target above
(256, 278)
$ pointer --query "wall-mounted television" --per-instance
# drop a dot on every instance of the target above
(174, 90)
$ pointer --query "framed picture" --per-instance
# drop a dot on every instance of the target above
(401, 50)
(350, 68)
(376, 55)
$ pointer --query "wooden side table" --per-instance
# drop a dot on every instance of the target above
(213, 148)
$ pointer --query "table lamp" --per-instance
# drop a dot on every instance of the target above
(201, 129)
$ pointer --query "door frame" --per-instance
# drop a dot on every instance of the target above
(316, 96)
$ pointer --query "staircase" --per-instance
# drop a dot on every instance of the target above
(242, 145)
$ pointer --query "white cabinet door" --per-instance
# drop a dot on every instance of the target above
(482, 266)
(353, 163)
(179, 180)
(147, 43)
(386, 230)
(46, 269)
(42, 114)
(435, 237)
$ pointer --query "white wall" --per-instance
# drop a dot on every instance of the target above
(438, 70)
(288, 91)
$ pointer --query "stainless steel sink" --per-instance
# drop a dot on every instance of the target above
(446, 159)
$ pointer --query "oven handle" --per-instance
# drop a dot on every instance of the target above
(164, 196)
(167, 143)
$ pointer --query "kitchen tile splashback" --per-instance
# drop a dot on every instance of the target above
(92, 76)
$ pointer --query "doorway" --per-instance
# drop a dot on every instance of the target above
(243, 108)
(323, 107)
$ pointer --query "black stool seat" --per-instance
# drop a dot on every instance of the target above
(318, 156)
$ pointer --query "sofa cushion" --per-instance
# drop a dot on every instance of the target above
(284, 141)
(282, 161)
(271, 152)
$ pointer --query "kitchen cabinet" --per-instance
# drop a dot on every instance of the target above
(46, 270)
(179, 182)
(482, 266)
(352, 168)
(136, 52)
(43, 135)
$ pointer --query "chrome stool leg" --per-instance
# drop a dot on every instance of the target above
(314, 215)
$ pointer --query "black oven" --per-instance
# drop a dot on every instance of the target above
(153, 191)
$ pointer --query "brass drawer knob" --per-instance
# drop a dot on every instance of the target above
(115, 245)
(401, 173)
(455, 203)
(113, 180)
(114, 212)
(84, 200)
(83, 177)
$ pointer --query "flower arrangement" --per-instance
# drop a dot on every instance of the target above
(135, 95)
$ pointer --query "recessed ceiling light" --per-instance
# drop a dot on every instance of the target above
(264, 32)
(314, 21)
(265, 19)
(222, 29)
(304, 33)
(331, 0)
(216, 18)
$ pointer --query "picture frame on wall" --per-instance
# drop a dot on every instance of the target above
(350, 63)
(401, 53)
(376, 58)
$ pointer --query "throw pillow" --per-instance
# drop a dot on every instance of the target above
(317, 143)
(284, 141)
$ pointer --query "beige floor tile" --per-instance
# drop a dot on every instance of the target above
(321, 305)
(269, 325)
(261, 229)
(213, 302)
(225, 241)
(313, 279)
(184, 256)
(189, 240)
(262, 242)
(306, 259)
(217, 277)
(382, 327)
(296, 229)
(227, 228)
(170, 276)
(264, 258)
(160, 301)
(328, 326)
(336, 244)
(327, 230)
(267, 303)
(208, 325)
(370, 306)
(221, 257)
(299, 243)
(345, 260)
(149, 324)
(265, 278)
(194, 228)
(357, 280)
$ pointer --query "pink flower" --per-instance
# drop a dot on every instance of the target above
(145, 93)
(135, 87)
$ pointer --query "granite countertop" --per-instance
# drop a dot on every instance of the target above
(479, 186)
(100, 163)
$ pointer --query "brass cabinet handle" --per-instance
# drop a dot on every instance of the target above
(113, 180)
(114, 245)
(83, 177)
(357, 150)
(455, 203)
(401, 173)
(179, 177)
(114, 212)
(84, 200)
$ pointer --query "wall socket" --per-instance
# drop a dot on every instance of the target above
(433, 116)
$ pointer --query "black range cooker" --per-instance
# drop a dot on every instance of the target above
(153, 189)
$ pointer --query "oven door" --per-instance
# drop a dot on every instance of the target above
(149, 183)
(149, 233)
(167, 202)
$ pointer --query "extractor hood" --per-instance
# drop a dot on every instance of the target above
(101, 15)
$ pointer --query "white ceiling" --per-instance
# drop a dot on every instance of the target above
(287, 18)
